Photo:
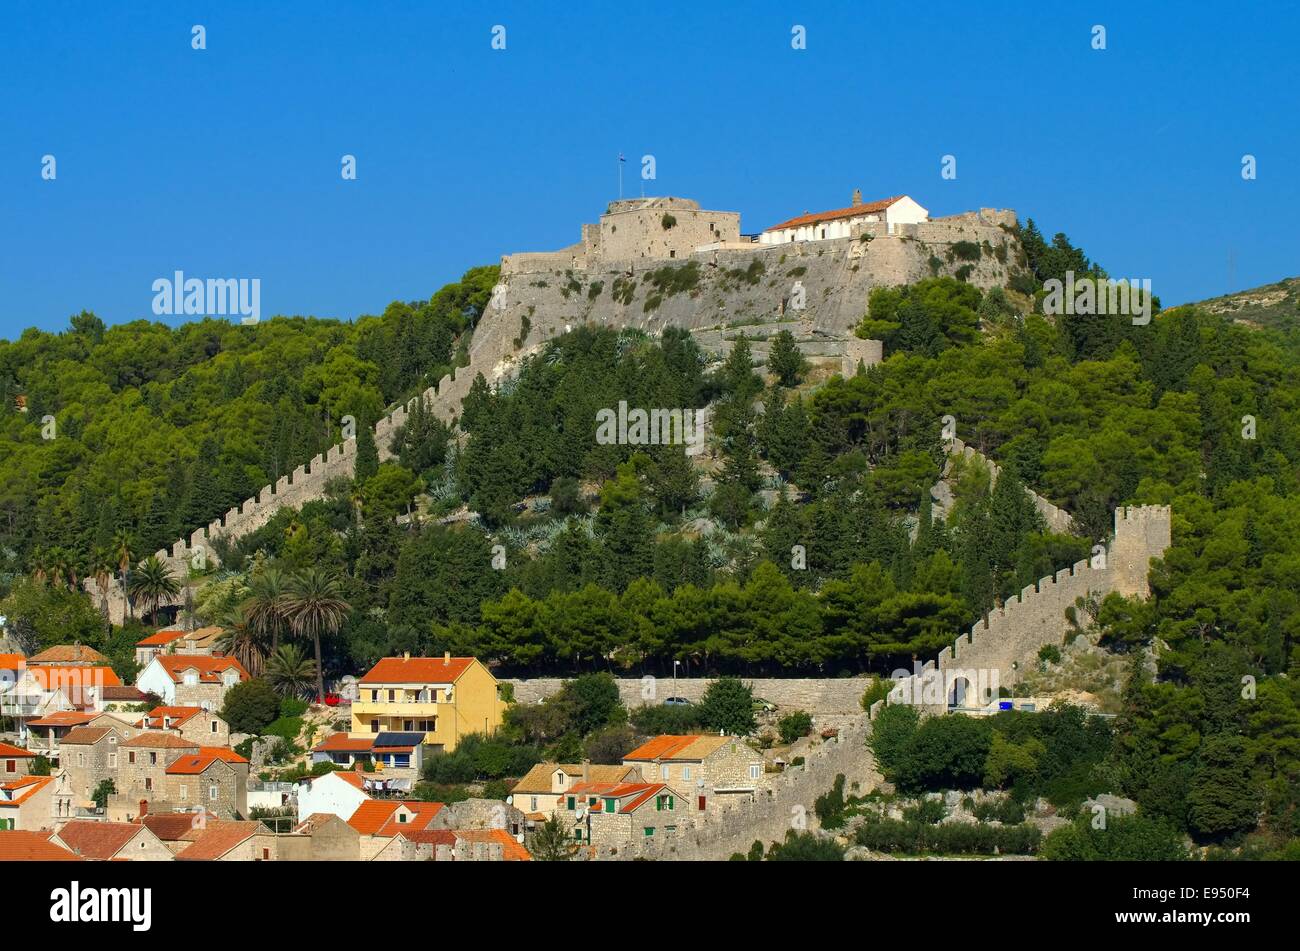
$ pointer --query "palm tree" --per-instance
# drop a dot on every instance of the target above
(153, 583)
(314, 606)
(121, 549)
(242, 641)
(290, 672)
(264, 608)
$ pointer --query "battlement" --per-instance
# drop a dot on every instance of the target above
(1006, 640)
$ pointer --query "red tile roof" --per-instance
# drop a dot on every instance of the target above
(12, 661)
(661, 747)
(177, 715)
(218, 839)
(97, 840)
(64, 718)
(14, 751)
(161, 639)
(75, 678)
(511, 851)
(853, 211)
(161, 741)
(32, 847)
(417, 670)
(193, 764)
(125, 692)
(377, 816)
(68, 654)
(85, 734)
(171, 826)
(635, 793)
(23, 789)
(209, 669)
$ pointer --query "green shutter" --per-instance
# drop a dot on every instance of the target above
(571, 802)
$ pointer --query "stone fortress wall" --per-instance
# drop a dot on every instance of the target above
(1006, 641)
(836, 277)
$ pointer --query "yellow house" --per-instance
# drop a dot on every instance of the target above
(444, 698)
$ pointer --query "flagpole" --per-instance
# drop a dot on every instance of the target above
(620, 176)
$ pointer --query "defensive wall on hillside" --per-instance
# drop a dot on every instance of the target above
(787, 804)
(820, 696)
(554, 292)
(1001, 645)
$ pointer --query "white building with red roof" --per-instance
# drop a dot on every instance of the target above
(846, 222)
(191, 679)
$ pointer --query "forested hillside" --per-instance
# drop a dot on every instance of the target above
(631, 557)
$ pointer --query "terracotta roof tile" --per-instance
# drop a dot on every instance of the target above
(417, 670)
(177, 715)
(32, 847)
(97, 840)
(23, 789)
(171, 826)
(14, 752)
(64, 718)
(193, 764)
(377, 816)
(853, 211)
(160, 639)
(161, 741)
(85, 734)
(218, 839)
(511, 851)
(68, 654)
(342, 743)
(209, 669)
(693, 747)
(538, 779)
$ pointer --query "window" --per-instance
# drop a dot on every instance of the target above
(213, 792)
(112, 761)
(11, 766)
(577, 834)
(153, 759)
(611, 805)
(401, 818)
(649, 831)
(663, 771)
(374, 726)
(212, 726)
(81, 759)
(533, 800)
(391, 694)
(702, 803)
(185, 792)
(686, 772)
(130, 757)
(266, 855)
(755, 771)
(408, 725)
(148, 783)
(572, 802)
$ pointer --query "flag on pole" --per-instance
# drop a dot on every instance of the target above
(620, 157)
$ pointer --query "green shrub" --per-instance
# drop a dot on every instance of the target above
(794, 725)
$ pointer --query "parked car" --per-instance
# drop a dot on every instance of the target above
(677, 702)
(331, 700)
(763, 706)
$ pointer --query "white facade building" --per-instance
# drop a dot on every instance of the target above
(843, 222)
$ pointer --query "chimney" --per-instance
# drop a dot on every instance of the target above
(144, 808)
(586, 770)
(857, 197)
(406, 655)
(446, 658)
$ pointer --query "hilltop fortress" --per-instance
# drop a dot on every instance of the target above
(662, 262)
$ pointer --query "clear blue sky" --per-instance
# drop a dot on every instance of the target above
(225, 162)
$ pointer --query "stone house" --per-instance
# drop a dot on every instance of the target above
(701, 768)
(539, 792)
(26, 803)
(378, 821)
(14, 761)
(606, 816)
(175, 641)
(332, 839)
(88, 755)
(215, 778)
(191, 680)
(189, 723)
(241, 842)
(112, 841)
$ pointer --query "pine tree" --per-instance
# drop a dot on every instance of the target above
(367, 454)
(785, 359)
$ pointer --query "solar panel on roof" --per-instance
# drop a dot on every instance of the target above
(398, 739)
